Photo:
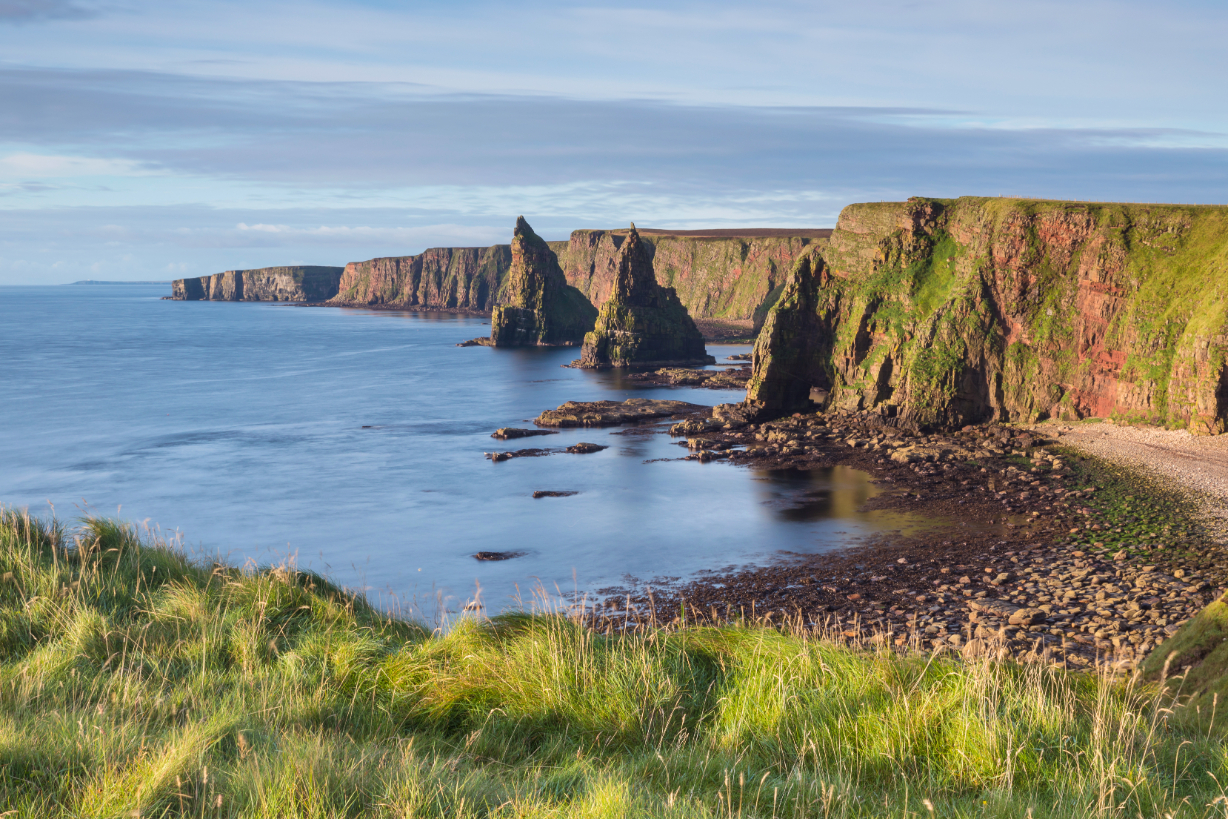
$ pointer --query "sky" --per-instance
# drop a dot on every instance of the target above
(157, 140)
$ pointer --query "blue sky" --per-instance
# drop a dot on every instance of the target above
(143, 140)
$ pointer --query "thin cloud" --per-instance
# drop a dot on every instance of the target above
(24, 11)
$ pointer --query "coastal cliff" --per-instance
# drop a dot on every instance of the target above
(641, 323)
(728, 274)
(264, 284)
(541, 308)
(461, 278)
(940, 313)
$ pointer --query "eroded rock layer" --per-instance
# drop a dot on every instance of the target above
(940, 313)
(541, 308)
(264, 284)
(642, 323)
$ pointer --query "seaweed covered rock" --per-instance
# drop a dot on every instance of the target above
(939, 313)
(642, 323)
(541, 308)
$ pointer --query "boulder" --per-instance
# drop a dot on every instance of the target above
(541, 308)
(642, 323)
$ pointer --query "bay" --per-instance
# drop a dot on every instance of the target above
(351, 442)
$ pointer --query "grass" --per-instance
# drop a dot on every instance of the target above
(136, 683)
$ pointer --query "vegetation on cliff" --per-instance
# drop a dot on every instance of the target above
(136, 683)
(642, 323)
(310, 283)
(539, 307)
(948, 312)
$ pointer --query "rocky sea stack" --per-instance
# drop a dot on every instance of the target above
(940, 313)
(540, 308)
(642, 323)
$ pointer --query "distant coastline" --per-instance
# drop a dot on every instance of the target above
(96, 281)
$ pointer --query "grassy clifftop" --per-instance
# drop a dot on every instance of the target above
(947, 312)
(135, 683)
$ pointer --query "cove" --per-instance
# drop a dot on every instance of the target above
(352, 441)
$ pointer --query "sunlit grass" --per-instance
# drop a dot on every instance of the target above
(134, 682)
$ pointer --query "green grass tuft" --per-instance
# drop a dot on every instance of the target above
(134, 682)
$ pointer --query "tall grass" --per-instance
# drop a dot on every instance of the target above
(135, 683)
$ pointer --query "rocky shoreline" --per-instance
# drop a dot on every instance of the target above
(1036, 550)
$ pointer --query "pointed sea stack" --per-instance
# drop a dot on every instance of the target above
(541, 307)
(642, 323)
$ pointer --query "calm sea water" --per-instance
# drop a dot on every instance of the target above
(241, 427)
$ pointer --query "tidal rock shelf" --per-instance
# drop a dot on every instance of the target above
(613, 413)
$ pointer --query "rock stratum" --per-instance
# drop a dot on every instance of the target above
(642, 323)
(541, 307)
(939, 313)
(309, 283)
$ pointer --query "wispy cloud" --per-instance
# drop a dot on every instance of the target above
(51, 166)
(24, 11)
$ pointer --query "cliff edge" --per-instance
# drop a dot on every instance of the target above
(939, 313)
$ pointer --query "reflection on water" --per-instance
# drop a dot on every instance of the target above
(354, 440)
(815, 494)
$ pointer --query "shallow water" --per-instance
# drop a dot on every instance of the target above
(242, 426)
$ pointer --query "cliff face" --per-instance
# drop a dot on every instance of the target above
(946, 312)
(464, 278)
(264, 284)
(641, 322)
(540, 308)
(730, 277)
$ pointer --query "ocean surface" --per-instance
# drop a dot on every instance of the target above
(351, 441)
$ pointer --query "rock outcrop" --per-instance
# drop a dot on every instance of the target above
(541, 308)
(264, 284)
(642, 323)
(448, 278)
(938, 313)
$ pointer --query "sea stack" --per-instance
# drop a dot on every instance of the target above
(642, 323)
(540, 308)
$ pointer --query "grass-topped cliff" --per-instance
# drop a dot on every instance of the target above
(136, 683)
(946, 312)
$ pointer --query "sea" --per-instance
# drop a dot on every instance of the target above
(352, 442)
